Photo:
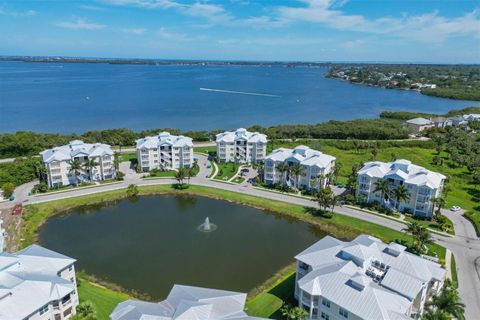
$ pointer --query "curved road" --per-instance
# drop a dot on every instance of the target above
(465, 246)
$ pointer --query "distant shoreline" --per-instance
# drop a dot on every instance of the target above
(165, 62)
(139, 61)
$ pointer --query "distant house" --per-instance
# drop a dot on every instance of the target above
(441, 122)
(37, 283)
(364, 279)
(417, 125)
(164, 151)
(315, 167)
(58, 161)
(241, 145)
(423, 185)
(187, 303)
(463, 120)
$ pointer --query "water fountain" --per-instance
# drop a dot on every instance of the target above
(207, 226)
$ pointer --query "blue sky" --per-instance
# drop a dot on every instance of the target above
(311, 30)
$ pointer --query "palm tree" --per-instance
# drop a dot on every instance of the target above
(321, 180)
(260, 167)
(296, 171)
(401, 194)
(89, 165)
(413, 228)
(336, 171)
(325, 198)
(116, 160)
(75, 167)
(439, 203)
(284, 169)
(382, 186)
(180, 175)
(423, 238)
(446, 305)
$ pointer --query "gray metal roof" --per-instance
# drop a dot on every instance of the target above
(340, 273)
(29, 280)
(187, 303)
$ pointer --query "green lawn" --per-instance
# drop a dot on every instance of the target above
(226, 170)
(431, 224)
(463, 192)
(453, 268)
(238, 180)
(209, 149)
(105, 300)
(132, 157)
(162, 174)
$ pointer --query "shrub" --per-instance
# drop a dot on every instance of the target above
(120, 176)
(8, 189)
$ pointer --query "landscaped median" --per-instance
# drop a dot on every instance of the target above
(267, 299)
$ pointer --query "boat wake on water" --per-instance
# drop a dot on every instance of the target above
(241, 92)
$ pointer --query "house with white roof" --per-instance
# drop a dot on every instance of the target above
(422, 184)
(417, 125)
(165, 151)
(241, 145)
(187, 303)
(57, 163)
(37, 284)
(364, 279)
(315, 165)
(463, 120)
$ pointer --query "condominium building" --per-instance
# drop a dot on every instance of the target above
(423, 185)
(364, 279)
(58, 160)
(242, 146)
(315, 167)
(165, 151)
(37, 284)
(187, 303)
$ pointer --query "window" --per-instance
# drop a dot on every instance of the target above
(70, 268)
(343, 313)
(325, 316)
(326, 302)
(43, 309)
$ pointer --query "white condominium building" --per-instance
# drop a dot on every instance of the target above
(57, 162)
(364, 279)
(315, 167)
(187, 303)
(165, 151)
(37, 284)
(241, 146)
(423, 185)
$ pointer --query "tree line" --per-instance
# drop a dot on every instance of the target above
(27, 143)
(406, 115)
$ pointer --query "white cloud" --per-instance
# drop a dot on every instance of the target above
(13, 13)
(427, 27)
(173, 36)
(135, 31)
(80, 24)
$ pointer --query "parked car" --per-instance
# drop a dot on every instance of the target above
(455, 208)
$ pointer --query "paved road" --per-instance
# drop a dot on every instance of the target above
(465, 246)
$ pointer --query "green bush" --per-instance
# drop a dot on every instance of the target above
(8, 189)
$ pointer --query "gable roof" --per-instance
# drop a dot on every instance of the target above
(241, 134)
(164, 139)
(420, 121)
(74, 149)
(337, 277)
(302, 155)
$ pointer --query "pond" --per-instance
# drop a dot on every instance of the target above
(150, 244)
